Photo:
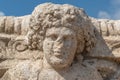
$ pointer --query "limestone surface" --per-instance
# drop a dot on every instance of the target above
(59, 42)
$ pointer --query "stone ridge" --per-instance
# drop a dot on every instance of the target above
(107, 27)
(59, 42)
(14, 25)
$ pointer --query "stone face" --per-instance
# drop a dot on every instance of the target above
(59, 42)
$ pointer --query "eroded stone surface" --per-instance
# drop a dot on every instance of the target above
(59, 42)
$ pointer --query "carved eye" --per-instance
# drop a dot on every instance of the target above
(52, 37)
(67, 37)
(72, 38)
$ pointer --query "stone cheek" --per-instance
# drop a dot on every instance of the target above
(73, 48)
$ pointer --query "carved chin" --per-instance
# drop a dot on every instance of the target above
(57, 62)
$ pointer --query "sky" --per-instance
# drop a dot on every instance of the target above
(107, 9)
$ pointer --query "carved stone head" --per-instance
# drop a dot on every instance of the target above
(60, 31)
(59, 46)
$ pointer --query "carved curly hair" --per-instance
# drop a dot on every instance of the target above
(49, 15)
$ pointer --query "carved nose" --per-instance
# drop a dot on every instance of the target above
(58, 44)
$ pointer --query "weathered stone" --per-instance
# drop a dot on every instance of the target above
(9, 25)
(25, 24)
(59, 42)
(17, 25)
(2, 24)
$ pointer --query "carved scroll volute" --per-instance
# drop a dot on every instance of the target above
(17, 45)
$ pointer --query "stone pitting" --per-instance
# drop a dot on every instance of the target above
(59, 42)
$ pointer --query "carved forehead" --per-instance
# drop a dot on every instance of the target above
(60, 31)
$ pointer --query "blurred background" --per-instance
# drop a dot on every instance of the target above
(109, 9)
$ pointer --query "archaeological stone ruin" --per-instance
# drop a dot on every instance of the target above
(59, 42)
